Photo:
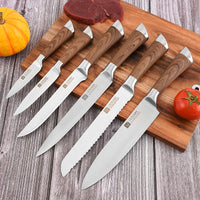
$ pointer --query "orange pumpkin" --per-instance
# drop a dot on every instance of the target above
(14, 32)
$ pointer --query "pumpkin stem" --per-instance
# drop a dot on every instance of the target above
(2, 20)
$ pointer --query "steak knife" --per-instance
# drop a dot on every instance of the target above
(63, 35)
(95, 90)
(78, 43)
(114, 106)
(136, 124)
(114, 33)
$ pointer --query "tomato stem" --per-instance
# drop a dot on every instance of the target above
(191, 98)
(2, 20)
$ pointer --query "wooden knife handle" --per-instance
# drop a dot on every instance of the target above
(79, 43)
(157, 49)
(105, 42)
(63, 35)
(135, 40)
(182, 61)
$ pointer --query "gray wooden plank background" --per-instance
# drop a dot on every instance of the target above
(151, 170)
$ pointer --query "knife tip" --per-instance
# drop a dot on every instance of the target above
(16, 113)
(85, 185)
(19, 110)
(64, 170)
(8, 96)
(21, 134)
(39, 153)
(10, 93)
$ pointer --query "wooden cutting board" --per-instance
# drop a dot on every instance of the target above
(168, 127)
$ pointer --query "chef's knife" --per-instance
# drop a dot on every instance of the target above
(114, 106)
(136, 124)
(78, 43)
(96, 89)
(114, 33)
(63, 35)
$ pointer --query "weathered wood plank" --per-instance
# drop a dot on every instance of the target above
(167, 174)
(23, 176)
(178, 174)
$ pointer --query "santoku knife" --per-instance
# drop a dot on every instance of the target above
(64, 34)
(96, 89)
(136, 124)
(114, 106)
(77, 44)
(114, 33)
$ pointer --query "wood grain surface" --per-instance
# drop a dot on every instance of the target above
(152, 54)
(167, 127)
(176, 67)
(78, 43)
(63, 35)
(151, 170)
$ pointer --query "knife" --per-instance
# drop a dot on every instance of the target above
(95, 90)
(78, 43)
(158, 48)
(63, 35)
(114, 33)
(136, 124)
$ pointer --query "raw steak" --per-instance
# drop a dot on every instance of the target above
(92, 11)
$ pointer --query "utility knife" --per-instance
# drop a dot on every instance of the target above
(78, 43)
(63, 35)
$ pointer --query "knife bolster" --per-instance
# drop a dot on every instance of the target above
(152, 96)
(84, 67)
(119, 27)
(129, 84)
(110, 70)
(38, 61)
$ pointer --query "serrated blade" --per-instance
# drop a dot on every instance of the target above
(83, 104)
(123, 140)
(27, 76)
(56, 99)
(99, 125)
(40, 88)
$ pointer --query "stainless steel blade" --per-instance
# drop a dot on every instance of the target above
(103, 120)
(33, 69)
(77, 76)
(96, 129)
(40, 87)
(84, 103)
(123, 140)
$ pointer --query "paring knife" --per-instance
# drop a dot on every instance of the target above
(113, 34)
(78, 43)
(95, 90)
(63, 35)
(114, 106)
(136, 124)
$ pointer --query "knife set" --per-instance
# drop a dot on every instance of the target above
(138, 121)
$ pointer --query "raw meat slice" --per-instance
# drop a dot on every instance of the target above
(93, 11)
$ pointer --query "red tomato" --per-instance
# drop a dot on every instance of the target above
(187, 104)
